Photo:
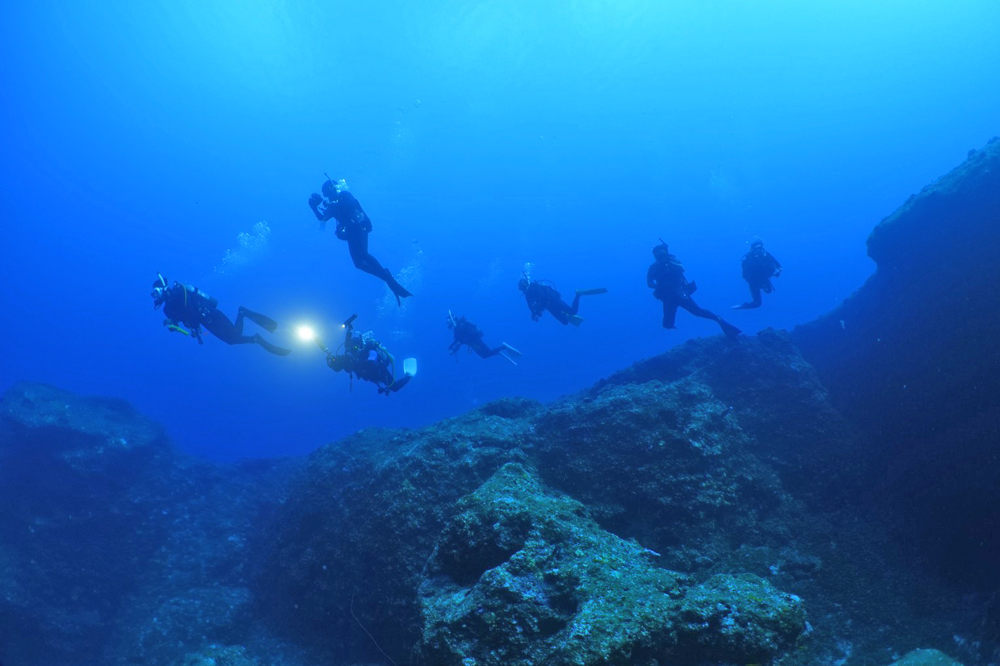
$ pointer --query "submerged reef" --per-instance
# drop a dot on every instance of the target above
(726, 502)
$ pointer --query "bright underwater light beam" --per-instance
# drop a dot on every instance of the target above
(306, 333)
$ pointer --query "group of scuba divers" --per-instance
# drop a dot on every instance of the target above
(187, 309)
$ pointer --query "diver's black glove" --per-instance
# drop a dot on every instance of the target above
(315, 200)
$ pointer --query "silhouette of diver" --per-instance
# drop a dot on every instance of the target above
(365, 357)
(187, 306)
(467, 333)
(541, 295)
(759, 266)
(666, 278)
(353, 226)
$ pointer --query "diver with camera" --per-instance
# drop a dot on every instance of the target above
(353, 226)
(364, 356)
(666, 278)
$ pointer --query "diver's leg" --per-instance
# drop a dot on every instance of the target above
(219, 325)
(559, 312)
(263, 321)
(398, 384)
(363, 260)
(753, 303)
(357, 244)
(568, 313)
(669, 313)
(274, 349)
(692, 307)
(485, 352)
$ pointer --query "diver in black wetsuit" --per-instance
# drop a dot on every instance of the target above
(541, 295)
(353, 226)
(187, 306)
(467, 333)
(666, 278)
(759, 266)
(365, 357)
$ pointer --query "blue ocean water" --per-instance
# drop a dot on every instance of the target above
(186, 137)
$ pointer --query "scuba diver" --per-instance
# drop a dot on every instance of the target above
(353, 226)
(365, 357)
(187, 306)
(666, 278)
(467, 333)
(759, 266)
(542, 295)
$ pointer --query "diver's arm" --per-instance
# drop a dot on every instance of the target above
(651, 277)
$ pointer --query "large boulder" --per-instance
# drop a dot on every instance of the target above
(343, 560)
(522, 576)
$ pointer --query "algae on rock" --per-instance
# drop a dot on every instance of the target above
(523, 576)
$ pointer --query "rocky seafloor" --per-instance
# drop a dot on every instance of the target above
(769, 500)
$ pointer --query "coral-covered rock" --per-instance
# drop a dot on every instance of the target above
(522, 576)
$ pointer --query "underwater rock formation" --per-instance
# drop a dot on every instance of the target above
(521, 576)
(79, 479)
(912, 358)
(348, 548)
(114, 549)
(674, 453)
(667, 515)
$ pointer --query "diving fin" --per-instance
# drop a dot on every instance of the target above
(398, 290)
(575, 320)
(274, 349)
(263, 321)
(511, 349)
(730, 330)
(591, 292)
(508, 358)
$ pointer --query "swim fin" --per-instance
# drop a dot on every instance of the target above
(511, 349)
(264, 322)
(591, 292)
(730, 330)
(508, 358)
(575, 320)
(274, 349)
(398, 290)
